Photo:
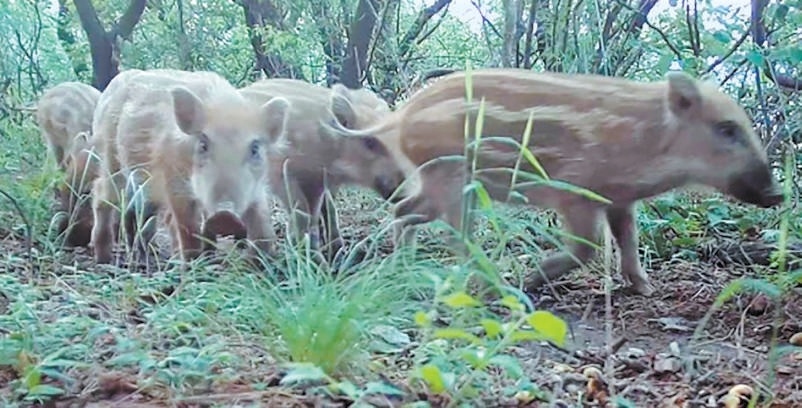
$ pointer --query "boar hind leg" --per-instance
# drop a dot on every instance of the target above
(580, 222)
(624, 229)
(140, 226)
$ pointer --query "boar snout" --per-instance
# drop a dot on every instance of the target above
(225, 222)
(756, 186)
(386, 186)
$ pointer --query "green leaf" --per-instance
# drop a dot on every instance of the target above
(512, 303)
(795, 55)
(434, 379)
(722, 37)
(422, 319)
(551, 326)
(756, 58)
(492, 327)
(525, 335)
(44, 389)
(346, 387)
(473, 358)
(509, 364)
(32, 377)
(459, 300)
(456, 334)
(300, 372)
(780, 13)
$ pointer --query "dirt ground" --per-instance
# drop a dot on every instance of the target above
(651, 361)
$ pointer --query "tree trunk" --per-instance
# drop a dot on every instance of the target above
(258, 15)
(104, 45)
(359, 37)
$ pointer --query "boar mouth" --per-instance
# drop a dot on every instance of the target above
(224, 223)
(756, 187)
(386, 189)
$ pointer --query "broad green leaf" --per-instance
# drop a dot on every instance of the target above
(756, 58)
(509, 364)
(346, 387)
(33, 377)
(551, 326)
(301, 372)
(526, 335)
(456, 334)
(722, 36)
(492, 327)
(44, 389)
(459, 300)
(512, 303)
(434, 379)
(473, 358)
(422, 319)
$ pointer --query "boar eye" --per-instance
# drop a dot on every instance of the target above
(203, 144)
(727, 129)
(255, 149)
(372, 144)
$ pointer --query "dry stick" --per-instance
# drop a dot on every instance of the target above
(608, 312)
(28, 228)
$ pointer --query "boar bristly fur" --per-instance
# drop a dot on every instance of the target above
(621, 139)
(64, 115)
(314, 162)
(198, 150)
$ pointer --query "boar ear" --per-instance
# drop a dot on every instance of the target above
(188, 110)
(275, 114)
(683, 94)
(341, 105)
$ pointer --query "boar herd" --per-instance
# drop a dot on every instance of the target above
(208, 158)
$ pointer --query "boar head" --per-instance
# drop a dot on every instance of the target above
(715, 136)
(230, 142)
(364, 160)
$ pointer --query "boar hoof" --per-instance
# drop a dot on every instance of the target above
(645, 288)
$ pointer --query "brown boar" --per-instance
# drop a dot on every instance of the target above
(315, 161)
(64, 115)
(195, 147)
(621, 139)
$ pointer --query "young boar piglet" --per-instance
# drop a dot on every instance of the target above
(64, 115)
(315, 161)
(622, 139)
(199, 150)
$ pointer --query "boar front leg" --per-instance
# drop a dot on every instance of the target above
(440, 195)
(326, 219)
(105, 198)
(624, 230)
(259, 222)
(581, 221)
(294, 200)
(184, 212)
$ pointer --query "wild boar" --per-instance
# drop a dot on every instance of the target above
(64, 115)
(621, 139)
(313, 161)
(196, 147)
